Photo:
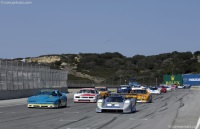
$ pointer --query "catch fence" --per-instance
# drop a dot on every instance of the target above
(17, 75)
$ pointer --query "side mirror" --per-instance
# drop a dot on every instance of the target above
(59, 94)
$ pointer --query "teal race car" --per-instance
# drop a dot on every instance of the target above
(47, 98)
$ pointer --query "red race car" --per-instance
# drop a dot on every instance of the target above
(162, 89)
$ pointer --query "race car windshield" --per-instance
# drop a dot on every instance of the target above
(87, 91)
(101, 89)
(136, 86)
(153, 88)
(45, 93)
(124, 87)
(139, 91)
(115, 99)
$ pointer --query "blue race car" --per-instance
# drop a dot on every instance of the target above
(124, 89)
(48, 98)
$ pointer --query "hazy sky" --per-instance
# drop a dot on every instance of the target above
(130, 27)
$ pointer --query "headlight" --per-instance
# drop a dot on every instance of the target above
(99, 104)
(127, 101)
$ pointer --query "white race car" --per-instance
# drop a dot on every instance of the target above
(153, 90)
(86, 95)
(168, 88)
(116, 103)
(181, 87)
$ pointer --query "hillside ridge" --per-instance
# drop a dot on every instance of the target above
(116, 67)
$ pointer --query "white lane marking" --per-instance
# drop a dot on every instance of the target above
(198, 123)
(137, 119)
(67, 120)
(71, 112)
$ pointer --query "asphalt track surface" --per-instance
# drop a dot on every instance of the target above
(178, 109)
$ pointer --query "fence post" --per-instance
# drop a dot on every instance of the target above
(12, 80)
(22, 75)
(17, 77)
(0, 76)
(6, 77)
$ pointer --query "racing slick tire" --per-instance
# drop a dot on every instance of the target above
(65, 105)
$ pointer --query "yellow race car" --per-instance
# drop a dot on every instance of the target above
(142, 95)
(103, 91)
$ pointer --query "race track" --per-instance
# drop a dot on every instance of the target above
(169, 110)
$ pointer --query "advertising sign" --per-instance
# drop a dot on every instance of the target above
(173, 79)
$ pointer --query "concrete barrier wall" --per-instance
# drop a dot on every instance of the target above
(89, 86)
(14, 94)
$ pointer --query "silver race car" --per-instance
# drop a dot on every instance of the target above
(116, 103)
